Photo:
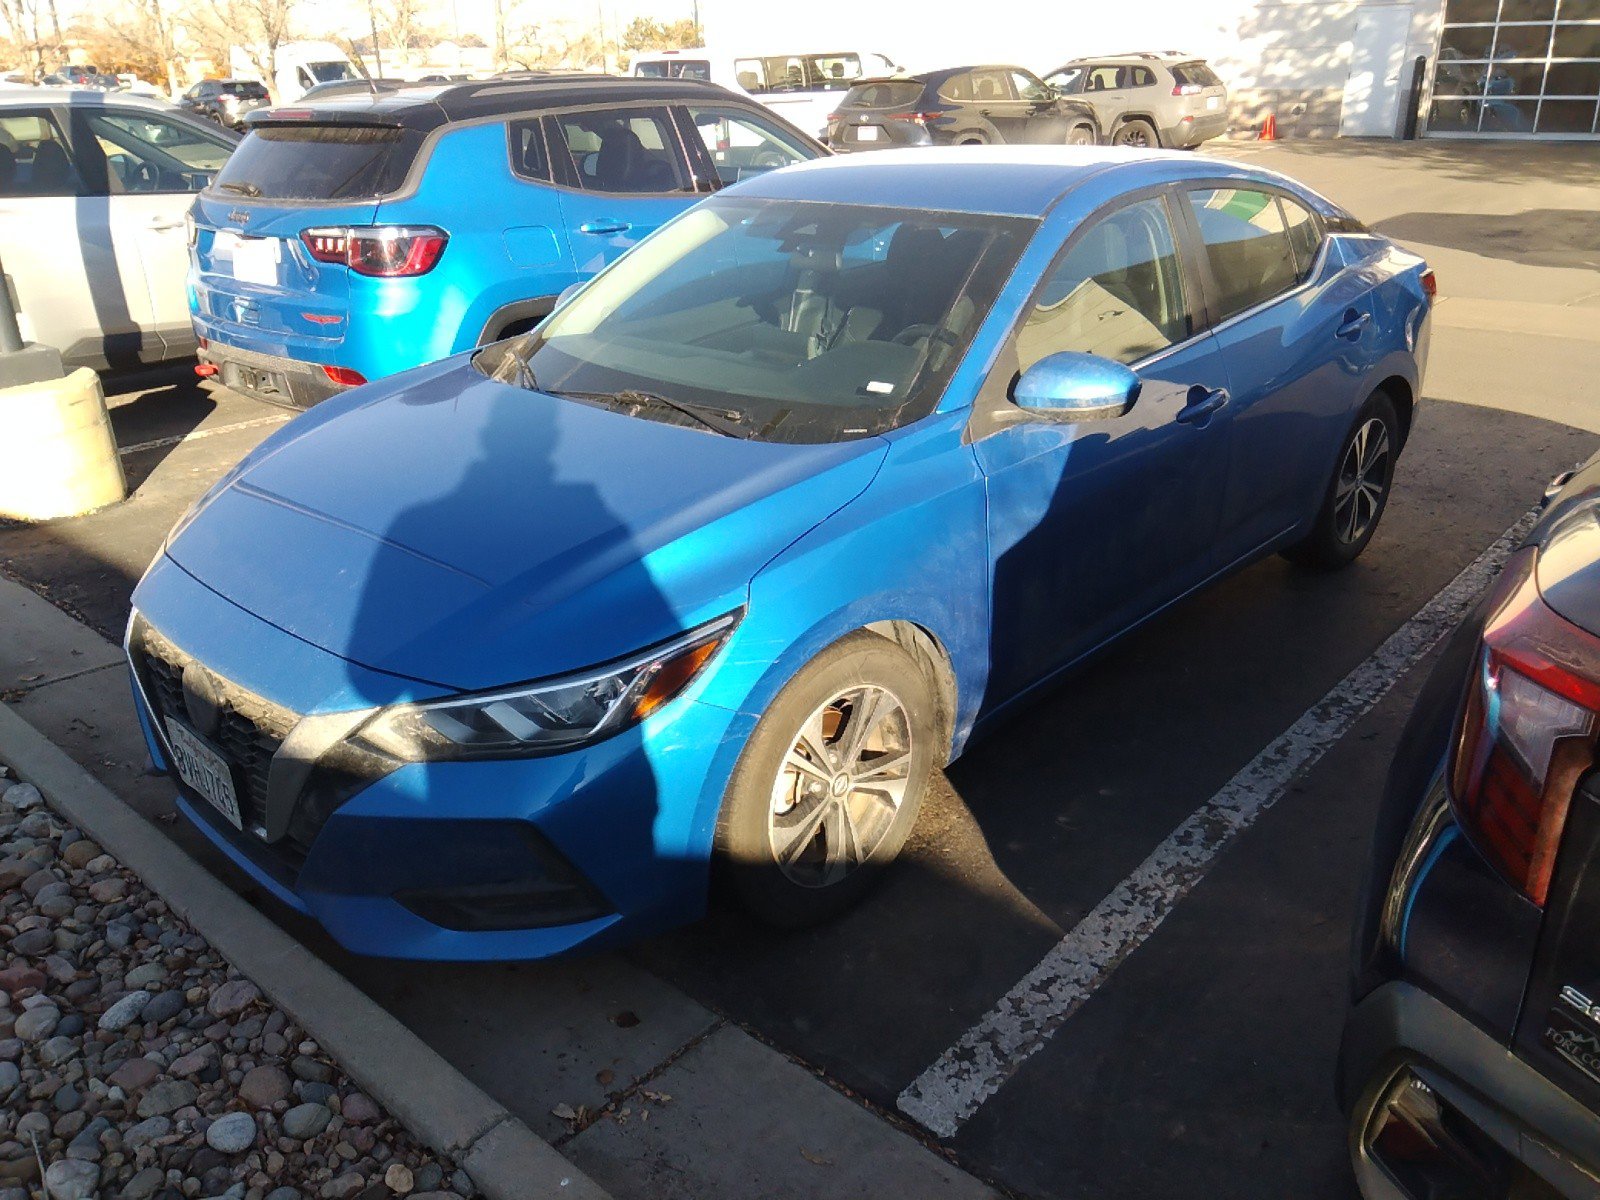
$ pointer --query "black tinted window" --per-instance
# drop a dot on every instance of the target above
(320, 162)
(1195, 75)
(1247, 245)
(528, 158)
(882, 95)
(250, 91)
(1141, 77)
(623, 150)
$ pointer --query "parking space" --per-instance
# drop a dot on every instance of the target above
(1194, 1056)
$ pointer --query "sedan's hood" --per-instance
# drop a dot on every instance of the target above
(468, 533)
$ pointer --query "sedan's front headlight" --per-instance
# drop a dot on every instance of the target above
(550, 716)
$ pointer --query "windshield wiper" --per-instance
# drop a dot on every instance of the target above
(244, 189)
(719, 420)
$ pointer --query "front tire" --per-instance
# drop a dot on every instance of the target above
(1080, 135)
(829, 785)
(1358, 493)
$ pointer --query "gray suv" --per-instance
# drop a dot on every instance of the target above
(1148, 100)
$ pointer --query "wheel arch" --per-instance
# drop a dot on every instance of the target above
(1403, 396)
(1148, 118)
(517, 317)
(934, 660)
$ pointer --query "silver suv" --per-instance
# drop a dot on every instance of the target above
(1148, 100)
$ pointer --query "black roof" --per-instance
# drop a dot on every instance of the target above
(427, 106)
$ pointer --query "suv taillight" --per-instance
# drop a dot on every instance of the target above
(386, 251)
(1527, 731)
(1187, 89)
(917, 118)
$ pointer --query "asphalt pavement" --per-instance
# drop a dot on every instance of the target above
(1199, 1061)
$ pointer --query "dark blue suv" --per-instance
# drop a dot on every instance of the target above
(363, 235)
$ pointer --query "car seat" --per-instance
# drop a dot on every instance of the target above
(8, 172)
(51, 172)
(624, 165)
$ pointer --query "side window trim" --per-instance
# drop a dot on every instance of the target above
(514, 156)
(703, 178)
(1203, 261)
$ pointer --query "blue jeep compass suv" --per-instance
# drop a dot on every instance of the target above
(360, 236)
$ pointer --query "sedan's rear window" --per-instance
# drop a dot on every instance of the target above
(882, 95)
(320, 162)
(1195, 75)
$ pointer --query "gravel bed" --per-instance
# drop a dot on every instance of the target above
(135, 1063)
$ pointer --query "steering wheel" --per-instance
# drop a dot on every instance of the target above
(769, 158)
(912, 334)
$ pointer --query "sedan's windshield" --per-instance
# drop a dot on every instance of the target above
(789, 321)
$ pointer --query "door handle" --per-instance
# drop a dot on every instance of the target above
(604, 225)
(1354, 323)
(1203, 402)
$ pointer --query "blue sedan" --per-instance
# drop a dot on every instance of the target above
(700, 580)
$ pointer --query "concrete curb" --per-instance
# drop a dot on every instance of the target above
(444, 1109)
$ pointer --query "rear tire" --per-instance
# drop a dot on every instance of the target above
(1136, 134)
(1358, 493)
(1080, 135)
(818, 804)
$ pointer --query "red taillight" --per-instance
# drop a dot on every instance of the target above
(385, 251)
(833, 117)
(917, 118)
(205, 370)
(1187, 89)
(1430, 284)
(1527, 731)
(344, 376)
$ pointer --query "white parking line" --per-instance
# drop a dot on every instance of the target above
(944, 1096)
(197, 434)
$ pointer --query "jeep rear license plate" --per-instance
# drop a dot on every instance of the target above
(203, 769)
(255, 260)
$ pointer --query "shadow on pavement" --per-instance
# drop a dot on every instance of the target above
(1541, 237)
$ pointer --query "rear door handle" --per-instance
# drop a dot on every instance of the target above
(1202, 403)
(604, 225)
(1354, 323)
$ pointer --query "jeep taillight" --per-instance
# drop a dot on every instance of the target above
(385, 251)
(1527, 730)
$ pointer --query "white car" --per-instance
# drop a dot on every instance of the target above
(95, 190)
(801, 87)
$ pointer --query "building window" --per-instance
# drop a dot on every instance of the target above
(1529, 67)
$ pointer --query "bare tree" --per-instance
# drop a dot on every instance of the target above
(131, 35)
(256, 27)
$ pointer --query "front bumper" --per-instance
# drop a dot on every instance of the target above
(1401, 1032)
(610, 842)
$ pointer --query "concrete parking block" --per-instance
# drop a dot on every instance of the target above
(730, 1109)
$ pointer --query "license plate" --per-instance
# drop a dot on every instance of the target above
(868, 133)
(255, 260)
(1213, 101)
(203, 769)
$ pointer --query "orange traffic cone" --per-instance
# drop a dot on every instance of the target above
(1269, 129)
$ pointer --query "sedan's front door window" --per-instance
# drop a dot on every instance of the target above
(1117, 292)
(1247, 246)
(741, 144)
(1029, 88)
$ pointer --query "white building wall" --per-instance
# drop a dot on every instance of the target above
(1288, 57)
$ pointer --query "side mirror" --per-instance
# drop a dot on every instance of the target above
(1077, 387)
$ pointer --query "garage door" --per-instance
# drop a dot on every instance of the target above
(1526, 68)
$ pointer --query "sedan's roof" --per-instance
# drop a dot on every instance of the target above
(1024, 181)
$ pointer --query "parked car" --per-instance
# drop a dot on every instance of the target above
(369, 234)
(1470, 1065)
(959, 106)
(226, 101)
(1148, 100)
(803, 88)
(709, 571)
(93, 193)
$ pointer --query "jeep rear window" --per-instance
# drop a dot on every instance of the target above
(1195, 75)
(319, 162)
(882, 95)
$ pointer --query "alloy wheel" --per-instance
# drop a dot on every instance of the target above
(1363, 481)
(841, 786)
(1133, 137)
